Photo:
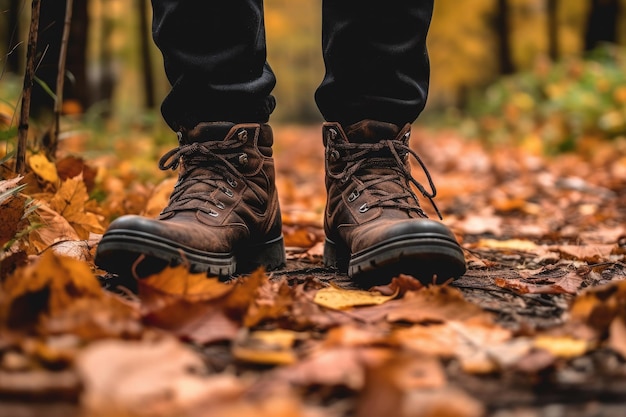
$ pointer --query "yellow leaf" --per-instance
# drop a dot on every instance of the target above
(44, 168)
(511, 244)
(55, 228)
(267, 347)
(45, 288)
(338, 299)
(70, 201)
(178, 281)
(562, 346)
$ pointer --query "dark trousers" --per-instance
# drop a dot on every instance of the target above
(215, 59)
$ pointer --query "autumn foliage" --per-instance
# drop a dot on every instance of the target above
(544, 240)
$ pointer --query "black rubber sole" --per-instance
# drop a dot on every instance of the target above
(120, 251)
(430, 258)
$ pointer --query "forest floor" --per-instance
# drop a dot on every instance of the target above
(535, 328)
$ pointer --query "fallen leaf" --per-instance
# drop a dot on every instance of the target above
(55, 228)
(46, 287)
(9, 184)
(266, 347)
(213, 311)
(43, 168)
(70, 202)
(178, 282)
(11, 218)
(71, 166)
(162, 377)
(567, 284)
(562, 346)
(334, 367)
(511, 244)
(40, 385)
(433, 304)
(586, 253)
(617, 336)
(337, 298)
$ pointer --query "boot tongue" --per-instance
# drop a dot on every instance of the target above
(370, 131)
(204, 132)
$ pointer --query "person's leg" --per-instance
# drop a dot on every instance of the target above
(376, 60)
(223, 215)
(375, 86)
(215, 59)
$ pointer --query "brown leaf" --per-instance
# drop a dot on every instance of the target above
(399, 285)
(180, 283)
(72, 166)
(617, 336)
(40, 384)
(55, 228)
(92, 319)
(212, 311)
(586, 253)
(334, 367)
(434, 304)
(149, 378)
(11, 218)
(70, 202)
(413, 386)
(47, 287)
(273, 301)
(567, 284)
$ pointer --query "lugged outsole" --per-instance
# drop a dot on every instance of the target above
(430, 259)
(119, 250)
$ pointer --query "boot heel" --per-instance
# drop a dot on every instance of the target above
(336, 256)
(270, 255)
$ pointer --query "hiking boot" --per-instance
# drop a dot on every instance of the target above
(223, 215)
(375, 227)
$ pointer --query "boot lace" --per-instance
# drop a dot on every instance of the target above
(212, 164)
(359, 157)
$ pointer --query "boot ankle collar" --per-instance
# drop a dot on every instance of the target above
(365, 131)
(218, 131)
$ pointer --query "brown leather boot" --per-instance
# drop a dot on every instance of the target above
(375, 227)
(223, 215)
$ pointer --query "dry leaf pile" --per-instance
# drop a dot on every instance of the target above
(540, 317)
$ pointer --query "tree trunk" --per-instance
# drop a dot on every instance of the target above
(146, 61)
(602, 23)
(553, 29)
(48, 53)
(14, 61)
(503, 32)
(29, 73)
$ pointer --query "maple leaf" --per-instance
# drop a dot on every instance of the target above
(70, 201)
(55, 228)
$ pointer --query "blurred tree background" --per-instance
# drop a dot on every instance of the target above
(114, 69)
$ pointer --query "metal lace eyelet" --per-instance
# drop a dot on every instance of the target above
(334, 155)
(243, 159)
(407, 135)
(332, 133)
(229, 192)
(353, 196)
(213, 213)
(364, 208)
(243, 135)
(232, 182)
(220, 205)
